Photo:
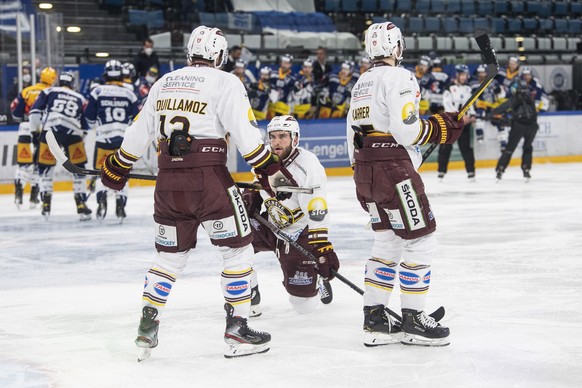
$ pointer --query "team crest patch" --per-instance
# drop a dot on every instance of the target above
(281, 215)
(409, 113)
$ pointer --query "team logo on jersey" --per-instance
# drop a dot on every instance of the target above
(317, 208)
(408, 278)
(280, 214)
(409, 113)
(237, 288)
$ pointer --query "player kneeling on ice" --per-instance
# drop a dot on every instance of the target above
(189, 112)
(383, 131)
(301, 216)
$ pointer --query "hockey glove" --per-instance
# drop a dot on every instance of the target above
(253, 201)
(113, 175)
(274, 174)
(327, 260)
(444, 128)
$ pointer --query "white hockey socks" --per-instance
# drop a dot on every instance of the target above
(236, 278)
(161, 277)
(379, 281)
(414, 273)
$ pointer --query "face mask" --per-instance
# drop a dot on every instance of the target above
(26, 78)
(150, 79)
(148, 51)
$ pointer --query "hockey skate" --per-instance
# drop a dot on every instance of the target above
(46, 204)
(147, 333)
(101, 205)
(526, 176)
(421, 329)
(241, 339)
(499, 175)
(120, 208)
(441, 176)
(379, 328)
(471, 177)
(325, 291)
(18, 193)
(255, 303)
(34, 190)
(82, 210)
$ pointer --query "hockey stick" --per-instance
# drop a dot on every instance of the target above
(437, 315)
(60, 156)
(488, 53)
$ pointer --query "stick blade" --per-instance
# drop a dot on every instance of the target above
(55, 148)
(486, 48)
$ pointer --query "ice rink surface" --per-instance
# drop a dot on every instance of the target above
(508, 272)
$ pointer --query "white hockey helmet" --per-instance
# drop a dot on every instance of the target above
(209, 44)
(384, 40)
(113, 70)
(284, 123)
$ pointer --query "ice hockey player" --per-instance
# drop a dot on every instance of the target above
(506, 75)
(303, 217)
(534, 84)
(144, 84)
(259, 94)
(440, 80)
(26, 157)
(282, 84)
(456, 94)
(489, 99)
(110, 109)
(335, 101)
(189, 112)
(384, 131)
(61, 110)
(425, 81)
(245, 76)
(303, 93)
(129, 76)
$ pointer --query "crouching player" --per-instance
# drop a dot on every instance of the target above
(302, 216)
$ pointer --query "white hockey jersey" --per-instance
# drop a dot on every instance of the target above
(385, 99)
(205, 102)
(455, 96)
(301, 210)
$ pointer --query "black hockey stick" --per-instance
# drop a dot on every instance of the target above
(62, 159)
(490, 59)
(437, 315)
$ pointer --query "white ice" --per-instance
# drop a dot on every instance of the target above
(508, 273)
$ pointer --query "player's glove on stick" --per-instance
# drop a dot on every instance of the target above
(274, 174)
(113, 174)
(253, 200)
(327, 260)
(441, 128)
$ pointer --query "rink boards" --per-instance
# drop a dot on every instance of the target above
(557, 140)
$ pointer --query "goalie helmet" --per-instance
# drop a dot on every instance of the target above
(384, 40)
(112, 70)
(208, 44)
(48, 75)
(67, 79)
(285, 123)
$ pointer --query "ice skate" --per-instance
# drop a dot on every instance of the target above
(18, 193)
(241, 339)
(379, 328)
(101, 205)
(120, 208)
(255, 303)
(325, 291)
(471, 177)
(82, 210)
(46, 204)
(441, 176)
(147, 333)
(34, 191)
(526, 176)
(421, 329)
(499, 175)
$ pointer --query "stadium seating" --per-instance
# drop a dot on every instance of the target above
(369, 6)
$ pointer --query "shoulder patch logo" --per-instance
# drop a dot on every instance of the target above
(317, 208)
(409, 113)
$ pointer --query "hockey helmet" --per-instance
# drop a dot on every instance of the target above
(384, 40)
(348, 65)
(526, 70)
(113, 70)
(265, 70)
(67, 78)
(481, 69)
(308, 62)
(284, 123)
(461, 68)
(287, 58)
(48, 75)
(425, 61)
(208, 44)
(128, 70)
